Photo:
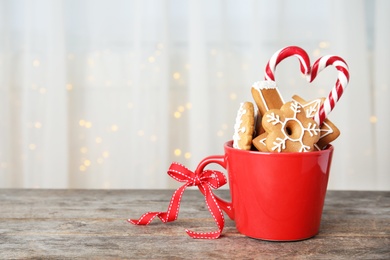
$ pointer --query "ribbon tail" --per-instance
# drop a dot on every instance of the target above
(215, 211)
(168, 216)
(145, 219)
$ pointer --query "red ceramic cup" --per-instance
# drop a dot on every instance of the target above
(275, 196)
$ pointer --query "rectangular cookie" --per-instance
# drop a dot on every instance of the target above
(266, 96)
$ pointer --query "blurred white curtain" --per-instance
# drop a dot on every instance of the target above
(106, 94)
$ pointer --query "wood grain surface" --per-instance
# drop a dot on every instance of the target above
(91, 224)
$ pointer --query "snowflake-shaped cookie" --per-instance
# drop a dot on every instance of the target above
(289, 130)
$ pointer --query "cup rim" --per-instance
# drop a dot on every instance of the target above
(229, 145)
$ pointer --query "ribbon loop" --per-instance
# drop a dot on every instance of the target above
(204, 180)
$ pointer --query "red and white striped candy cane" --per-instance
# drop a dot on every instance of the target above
(339, 87)
(284, 53)
(311, 73)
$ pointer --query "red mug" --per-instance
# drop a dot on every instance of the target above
(275, 196)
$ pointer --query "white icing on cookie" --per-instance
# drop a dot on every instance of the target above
(327, 129)
(266, 84)
(311, 108)
(280, 143)
(237, 126)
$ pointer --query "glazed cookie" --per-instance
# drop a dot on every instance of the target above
(244, 127)
(259, 142)
(266, 96)
(329, 132)
(289, 130)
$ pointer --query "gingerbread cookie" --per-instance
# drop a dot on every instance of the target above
(289, 130)
(244, 127)
(266, 96)
(259, 142)
(329, 132)
(258, 127)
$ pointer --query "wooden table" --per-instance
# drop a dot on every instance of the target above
(92, 224)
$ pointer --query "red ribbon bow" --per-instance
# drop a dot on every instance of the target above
(205, 181)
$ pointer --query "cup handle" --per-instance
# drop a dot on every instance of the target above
(221, 160)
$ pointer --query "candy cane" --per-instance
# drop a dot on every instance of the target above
(339, 87)
(280, 55)
(311, 73)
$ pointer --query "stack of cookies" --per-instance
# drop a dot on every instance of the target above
(277, 126)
